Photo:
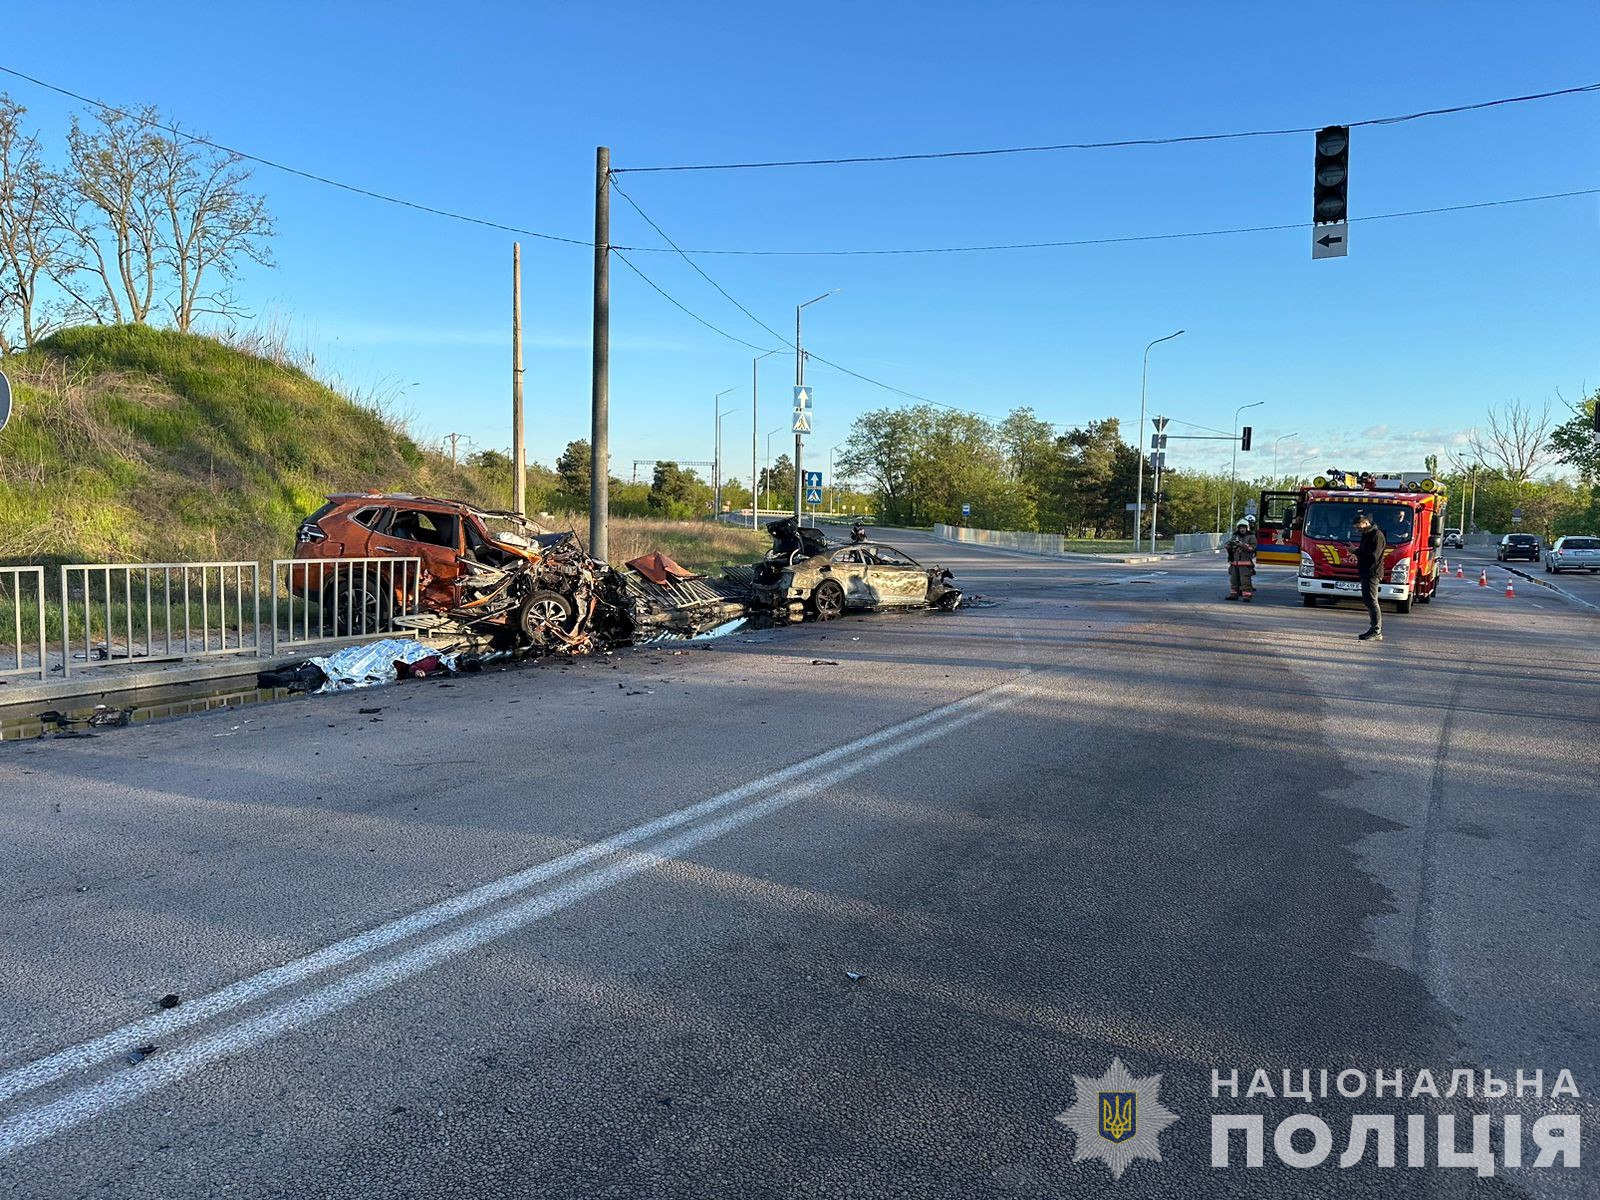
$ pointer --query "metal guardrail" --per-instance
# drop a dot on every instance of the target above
(1192, 543)
(1004, 539)
(182, 610)
(314, 599)
(22, 614)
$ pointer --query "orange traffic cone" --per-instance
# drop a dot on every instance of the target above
(1510, 593)
(1483, 577)
(1459, 573)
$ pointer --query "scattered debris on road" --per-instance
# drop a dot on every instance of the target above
(141, 1053)
(170, 1000)
(107, 717)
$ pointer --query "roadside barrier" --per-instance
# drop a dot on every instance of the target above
(158, 610)
(121, 614)
(22, 648)
(316, 599)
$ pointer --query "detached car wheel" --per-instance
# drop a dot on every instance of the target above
(546, 618)
(827, 601)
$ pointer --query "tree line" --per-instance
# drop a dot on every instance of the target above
(129, 221)
(1022, 473)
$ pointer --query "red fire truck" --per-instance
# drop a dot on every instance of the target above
(1315, 527)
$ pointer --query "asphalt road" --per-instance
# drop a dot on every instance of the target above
(1578, 585)
(590, 929)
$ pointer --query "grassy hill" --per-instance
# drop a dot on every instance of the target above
(129, 443)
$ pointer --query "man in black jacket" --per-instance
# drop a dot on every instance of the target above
(1369, 560)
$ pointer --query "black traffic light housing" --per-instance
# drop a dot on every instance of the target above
(1244, 438)
(1330, 192)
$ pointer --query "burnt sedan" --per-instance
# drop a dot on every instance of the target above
(868, 575)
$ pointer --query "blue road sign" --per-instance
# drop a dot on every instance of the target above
(813, 495)
(802, 396)
(813, 479)
(966, 510)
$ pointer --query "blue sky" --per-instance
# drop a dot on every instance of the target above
(495, 110)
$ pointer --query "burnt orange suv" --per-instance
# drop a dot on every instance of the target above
(373, 526)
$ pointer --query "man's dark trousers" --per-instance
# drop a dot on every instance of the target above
(1369, 597)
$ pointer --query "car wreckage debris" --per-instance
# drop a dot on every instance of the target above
(554, 599)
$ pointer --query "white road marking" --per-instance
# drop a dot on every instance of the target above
(802, 779)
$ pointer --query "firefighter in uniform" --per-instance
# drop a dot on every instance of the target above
(1241, 563)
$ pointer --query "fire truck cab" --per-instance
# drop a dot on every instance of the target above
(1316, 525)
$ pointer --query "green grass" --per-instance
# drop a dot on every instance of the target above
(139, 444)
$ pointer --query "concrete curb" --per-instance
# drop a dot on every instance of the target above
(94, 683)
(97, 682)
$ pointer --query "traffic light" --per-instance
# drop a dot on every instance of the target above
(1244, 438)
(1330, 190)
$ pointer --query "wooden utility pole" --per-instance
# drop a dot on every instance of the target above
(519, 467)
(600, 376)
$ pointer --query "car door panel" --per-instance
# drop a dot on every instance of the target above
(434, 536)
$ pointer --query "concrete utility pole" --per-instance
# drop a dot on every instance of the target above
(519, 463)
(1138, 440)
(1233, 471)
(453, 439)
(755, 426)
(600, 375)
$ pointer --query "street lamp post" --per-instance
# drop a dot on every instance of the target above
(799, 381)
(1275, 442)
(767, 491)
(1138, 439)
(755, 417)
(716, 452)
(717, 497)
(1233, 471)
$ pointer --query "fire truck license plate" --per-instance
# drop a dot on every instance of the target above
(1347, 587)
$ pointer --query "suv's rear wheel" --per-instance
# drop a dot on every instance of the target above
(351, 608)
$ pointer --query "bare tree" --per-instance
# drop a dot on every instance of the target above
(32, 245)
(113, 213)
(211, 224)
(1517, 443)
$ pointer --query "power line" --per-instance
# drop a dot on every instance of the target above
(1174, 140)
(634, 205)
(673, 248)
(288, 170)
(741, 307)
(1133, 238)
(616, 253)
